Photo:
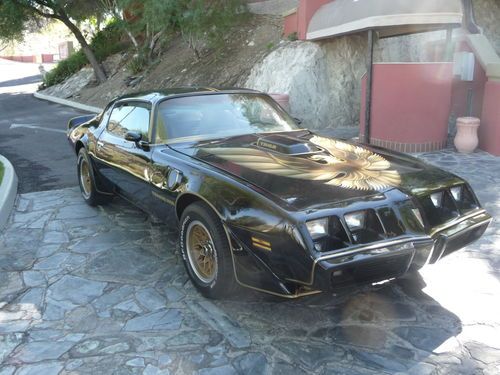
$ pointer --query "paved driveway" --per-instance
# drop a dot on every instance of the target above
(32, 131)
(103, 291)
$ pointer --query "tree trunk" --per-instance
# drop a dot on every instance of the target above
(98, 71)
(131, 36)
(132, 39)
(152, 44)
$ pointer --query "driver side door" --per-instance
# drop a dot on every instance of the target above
(126, 164)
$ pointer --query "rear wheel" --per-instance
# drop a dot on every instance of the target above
(206, 251)
(87, 183)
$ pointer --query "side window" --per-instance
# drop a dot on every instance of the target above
(129, 118)
(103, 117)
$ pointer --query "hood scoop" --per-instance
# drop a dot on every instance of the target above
(286, 145)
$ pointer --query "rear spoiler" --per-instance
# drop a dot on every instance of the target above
(75, 121)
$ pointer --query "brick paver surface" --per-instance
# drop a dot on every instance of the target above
(103, 291)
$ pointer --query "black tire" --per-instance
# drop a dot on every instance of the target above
(222, 282)
(87, 185)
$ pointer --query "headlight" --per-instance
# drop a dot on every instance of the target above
(456, 192)
(317, 228)
(365, 226)
(418, 215)
(437, 199)
(355, 220)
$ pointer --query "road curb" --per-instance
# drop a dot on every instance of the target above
(8, 191)
(67, 102)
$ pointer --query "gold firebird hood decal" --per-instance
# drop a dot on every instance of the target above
(342, 164)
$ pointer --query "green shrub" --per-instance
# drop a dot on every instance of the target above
(137, 63)
(293, 36)
(108, 41)
(65, 68)
(204, 23)
(105, 43)
(1, 173)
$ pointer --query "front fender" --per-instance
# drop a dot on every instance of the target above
(78, 128)
(267, 248)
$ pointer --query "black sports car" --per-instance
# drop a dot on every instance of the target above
(261, 202)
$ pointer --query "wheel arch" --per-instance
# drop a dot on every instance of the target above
(262, 278)
(102, 186)
(188, 198)
(78, 146)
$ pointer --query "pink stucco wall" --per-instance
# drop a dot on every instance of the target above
(47, 58)
(306, 11)
(29, 59)
(291, 24)
(489, 131)
(44, 58)
(410, 102)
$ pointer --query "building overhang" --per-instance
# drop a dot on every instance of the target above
(387, 17)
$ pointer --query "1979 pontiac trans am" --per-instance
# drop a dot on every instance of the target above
(261, 202)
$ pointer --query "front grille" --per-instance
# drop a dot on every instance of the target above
(449, 207)
(371, 231)
(468, 201)
(385, 222)
(440, 214)
(377, 224)
(393, 227)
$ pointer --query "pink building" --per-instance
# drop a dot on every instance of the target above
(409, 104)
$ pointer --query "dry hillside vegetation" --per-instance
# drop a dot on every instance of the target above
(226, 66)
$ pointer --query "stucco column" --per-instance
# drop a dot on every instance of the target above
(489, 131)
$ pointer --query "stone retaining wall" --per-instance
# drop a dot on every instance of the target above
(488, 18)
(323, 78)
(273, 7)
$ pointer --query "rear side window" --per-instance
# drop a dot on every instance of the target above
(129, 118)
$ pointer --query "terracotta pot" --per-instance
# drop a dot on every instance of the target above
(466, 139)
(283, 100)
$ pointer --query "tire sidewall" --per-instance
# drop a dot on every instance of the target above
(82, 156)
(219, 285)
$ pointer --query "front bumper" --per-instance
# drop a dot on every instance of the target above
(389, 259)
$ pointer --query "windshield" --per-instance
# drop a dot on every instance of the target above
(220, 115)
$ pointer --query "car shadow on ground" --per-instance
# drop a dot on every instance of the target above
(391, 327)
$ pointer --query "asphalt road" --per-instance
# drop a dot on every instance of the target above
(32, 131)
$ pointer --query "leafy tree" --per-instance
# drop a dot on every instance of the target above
(201, 23)
(15, 16)
(115, 9)
(12, 19)
(105, 42)
(151, 19)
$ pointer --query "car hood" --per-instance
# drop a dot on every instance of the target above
(307, 171)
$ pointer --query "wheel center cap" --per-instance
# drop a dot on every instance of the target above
(206, 249)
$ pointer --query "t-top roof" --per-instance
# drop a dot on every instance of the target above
(388, 17)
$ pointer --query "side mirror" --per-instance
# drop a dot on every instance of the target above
(133, 137)
(137, 139)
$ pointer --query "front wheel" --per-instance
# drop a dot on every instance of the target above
(206, 251)
(86, 181)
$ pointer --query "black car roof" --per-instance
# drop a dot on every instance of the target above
(156, 95)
